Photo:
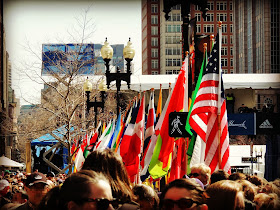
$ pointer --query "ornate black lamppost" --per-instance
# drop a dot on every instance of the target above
(107, 54)
(88, 88)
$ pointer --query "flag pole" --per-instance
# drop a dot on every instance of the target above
(219, 94)
(186, 101)
(211, 41)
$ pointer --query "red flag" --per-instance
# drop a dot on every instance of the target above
(176, 104)
(132, 159)
(74, 146)
(178, 167)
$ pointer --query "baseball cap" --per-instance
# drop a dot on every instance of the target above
(4, 183)
(34, 178)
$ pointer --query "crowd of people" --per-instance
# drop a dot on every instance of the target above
(103, 183)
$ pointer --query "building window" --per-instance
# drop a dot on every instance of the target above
(173, 28)
(209, 17)
(231, 62)
(177, 7)
(154, 64)
(224, 61)
(224, 28)
(196, 7)
(208, 28)
(210, 5)
(154, 30)
(221, 6)
(224, 71)
(154, 8)
(231, 39)
(172, 71)
(198, 28)
(222, 17)
(154, 72)
(224, 50)
(198, 17)
(230, 6)
(224, 39)
(173, 62)
(231, 17)
(154, 19)
(154, 42)
(173, 51)
(231, 51)
(175, 17)
(154, 53)
(173, 39)
(231, 28)
(231, 71)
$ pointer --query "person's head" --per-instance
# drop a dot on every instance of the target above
(51, 176)
(146, 196)
(36, 187)
(218, 176)
(82, 190)
(267, 201)
(202, 172)
(111, 165)
(4, 187)
(184, 194)
(270, 187)
(258, 181)
(225, 194)
(249, 189)
(237, 176)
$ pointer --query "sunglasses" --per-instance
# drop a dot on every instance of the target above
(194, 174)
(103, 203)
(182, 203)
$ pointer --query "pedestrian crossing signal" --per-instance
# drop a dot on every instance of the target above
(177, 124)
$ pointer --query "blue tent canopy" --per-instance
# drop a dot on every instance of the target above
(45, 140)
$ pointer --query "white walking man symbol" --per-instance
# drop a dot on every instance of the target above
(175, 123)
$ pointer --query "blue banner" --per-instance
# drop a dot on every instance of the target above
(242, 124)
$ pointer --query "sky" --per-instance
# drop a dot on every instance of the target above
(36, 22)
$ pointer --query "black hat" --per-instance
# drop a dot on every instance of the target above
(34, 178)
(50, 174)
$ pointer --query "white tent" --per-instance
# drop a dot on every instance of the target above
(4, 161)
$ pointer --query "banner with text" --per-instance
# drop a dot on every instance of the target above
(242, 124)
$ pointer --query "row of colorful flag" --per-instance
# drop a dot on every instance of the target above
(143, 141)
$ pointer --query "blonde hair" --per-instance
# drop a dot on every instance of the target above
(204, 169)
(267, 201)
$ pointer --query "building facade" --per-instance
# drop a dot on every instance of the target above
(250, 39)
(82, 59)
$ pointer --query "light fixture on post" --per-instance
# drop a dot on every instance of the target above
(88, 88)
(107, 53)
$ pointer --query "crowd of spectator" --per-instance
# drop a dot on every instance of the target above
(104, 184)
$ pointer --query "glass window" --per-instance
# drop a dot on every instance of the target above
(224, 50)
(224, 39)
(221, 6)
(231, 28)
(231, 62)
(154, 53)
(208, 28)
(154, 8)
(222, 17)
(198, 28)
(154, 64)
(154, 72)
(154, 30)
(154, 19)
(209, 17)
(154, 42)
(224, 61)
(198, 17)
(231, 51)
(231, 17)
(210, 5)
(230, 6)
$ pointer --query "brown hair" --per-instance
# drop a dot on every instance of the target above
(197, 193)
(219, 175)
(222, 194)
(249, 189)
(267, 201)
(75, 188)
(237, 176)
(110, 164)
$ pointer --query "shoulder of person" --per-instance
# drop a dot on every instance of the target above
(130, 206)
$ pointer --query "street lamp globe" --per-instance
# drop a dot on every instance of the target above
(106, 51)
(87, 86)
(102, 86)
(128, 51)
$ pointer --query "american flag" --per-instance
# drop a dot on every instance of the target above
(204, 115)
